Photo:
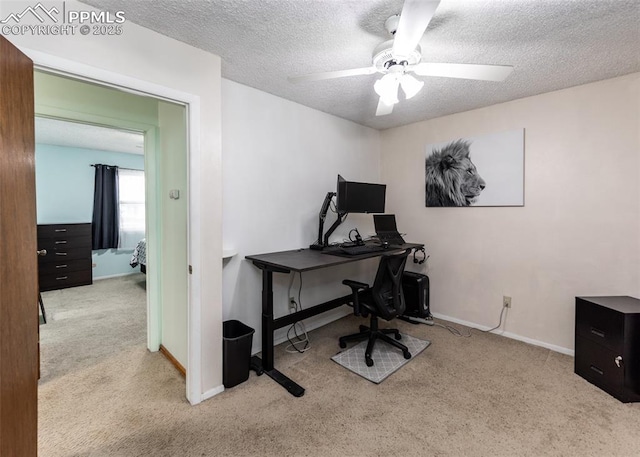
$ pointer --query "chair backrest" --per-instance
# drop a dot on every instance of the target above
(387, 287)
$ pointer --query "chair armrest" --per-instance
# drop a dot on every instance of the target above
(355, 285)
(356, 288)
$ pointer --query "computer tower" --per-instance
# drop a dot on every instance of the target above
(416, 294)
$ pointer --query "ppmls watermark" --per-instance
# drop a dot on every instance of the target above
(58, 20)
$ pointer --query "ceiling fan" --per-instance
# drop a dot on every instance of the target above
(397, 58)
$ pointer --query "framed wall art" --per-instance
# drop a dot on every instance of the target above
(486, 170)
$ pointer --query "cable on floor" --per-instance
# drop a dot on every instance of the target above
(453, 330)
(458, 332)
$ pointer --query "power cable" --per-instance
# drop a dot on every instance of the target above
(303, 337)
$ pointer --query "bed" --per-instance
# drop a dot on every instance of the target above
(139, 256)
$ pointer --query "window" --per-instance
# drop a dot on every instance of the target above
(131, 204)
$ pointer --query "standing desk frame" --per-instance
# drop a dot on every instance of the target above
(298, 260)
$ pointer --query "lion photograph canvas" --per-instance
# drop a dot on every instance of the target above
(485, 170)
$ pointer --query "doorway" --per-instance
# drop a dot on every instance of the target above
(163, 125)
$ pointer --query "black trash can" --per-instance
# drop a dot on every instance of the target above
(236, 352)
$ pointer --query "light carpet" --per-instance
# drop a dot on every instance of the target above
(88, 324)
(479, 396)
(387, 359)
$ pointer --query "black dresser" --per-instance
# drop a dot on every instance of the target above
(67, 262)
(607, 351)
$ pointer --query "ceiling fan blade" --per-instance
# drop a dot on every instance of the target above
(384, 108)
(462, 70)
(414, 19)
(332, 75)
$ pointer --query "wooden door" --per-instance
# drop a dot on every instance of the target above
(18, 262)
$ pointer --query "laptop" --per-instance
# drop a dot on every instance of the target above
(385, 225)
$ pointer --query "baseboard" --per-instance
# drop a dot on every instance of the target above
(97, 278)
(173, 360)
(212, 393)
(513, 336)
(329, 317)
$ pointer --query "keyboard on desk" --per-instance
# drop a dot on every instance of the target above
(364, 249)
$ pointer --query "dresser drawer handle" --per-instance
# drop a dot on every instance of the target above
(60, 230)
(61, 242)
(61, 266)
(597, 370)
(61, 253)
(62, 278)
(597, 332)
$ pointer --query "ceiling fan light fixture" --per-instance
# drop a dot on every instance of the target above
(387, 88)
(410, 85)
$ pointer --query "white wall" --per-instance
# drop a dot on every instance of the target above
(578, 233)
(279, 160)
(173, 229)
(148, 56)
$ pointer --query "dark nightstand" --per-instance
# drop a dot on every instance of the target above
(607, 350)
(67, 256)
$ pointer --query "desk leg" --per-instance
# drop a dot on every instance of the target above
(292, 387)
(267, 320)
(268, 328)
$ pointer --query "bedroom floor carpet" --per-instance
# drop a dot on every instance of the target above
(88, 324)
(479, 396)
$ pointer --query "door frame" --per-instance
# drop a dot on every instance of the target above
(64, 67)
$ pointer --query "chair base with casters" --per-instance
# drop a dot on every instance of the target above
(372, 334)
(383, 299)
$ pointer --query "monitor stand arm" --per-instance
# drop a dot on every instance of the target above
(335, 225)
(323, 242)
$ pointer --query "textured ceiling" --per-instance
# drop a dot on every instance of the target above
(552, 44)
(72, 134)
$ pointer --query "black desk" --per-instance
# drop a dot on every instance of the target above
(298, 260)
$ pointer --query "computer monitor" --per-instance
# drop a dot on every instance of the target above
(360, 197)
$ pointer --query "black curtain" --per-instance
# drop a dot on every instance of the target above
(105, 224)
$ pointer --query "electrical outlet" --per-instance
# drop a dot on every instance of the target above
(506, 301)
(292, 303)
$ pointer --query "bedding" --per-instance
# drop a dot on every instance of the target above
(139, 256)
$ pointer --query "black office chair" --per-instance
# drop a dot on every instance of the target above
(384, 299)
